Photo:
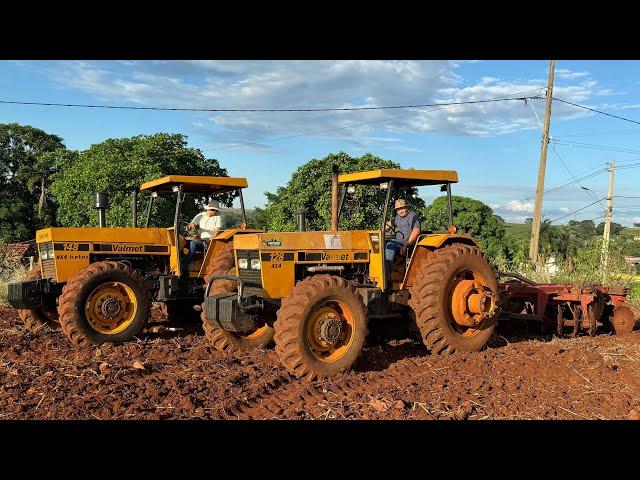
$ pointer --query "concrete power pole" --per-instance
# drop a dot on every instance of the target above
(537, 212)
(607, 223)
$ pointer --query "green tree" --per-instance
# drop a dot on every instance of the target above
(473, 217)
(27, 158)
(115, 166)
(310, 188)
(616, 228)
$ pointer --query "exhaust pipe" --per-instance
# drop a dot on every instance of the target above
(302, 219)
(334, 198)
(101, 202)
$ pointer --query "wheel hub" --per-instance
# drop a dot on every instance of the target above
(331, 330)
(472, 303)
(111, 307)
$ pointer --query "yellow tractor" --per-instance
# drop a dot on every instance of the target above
(98, 284)
(322, 287)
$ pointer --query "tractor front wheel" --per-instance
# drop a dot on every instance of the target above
(39, 318)
(104, 302)
(454, 300)
(321, 327)
(227, 341)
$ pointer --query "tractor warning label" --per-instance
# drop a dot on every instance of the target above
(332, 241)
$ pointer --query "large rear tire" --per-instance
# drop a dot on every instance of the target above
(321, 327)
(221, 262)
(104, 302)
(39, 318)
(442, 289)
(227, 341)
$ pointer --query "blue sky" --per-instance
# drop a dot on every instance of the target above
(494, 147)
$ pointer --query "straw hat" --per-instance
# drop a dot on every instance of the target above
(213, 205)
(400, 203)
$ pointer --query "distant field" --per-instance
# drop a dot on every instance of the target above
(519, 231)
(630, 232)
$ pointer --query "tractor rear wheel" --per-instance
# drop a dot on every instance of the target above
(227, 341)
(39, 318)
(454, 299)
(221, 263)
(104, 302)
(321, 327)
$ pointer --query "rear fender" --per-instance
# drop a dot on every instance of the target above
(429, 243)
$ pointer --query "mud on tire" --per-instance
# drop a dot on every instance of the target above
(39, 318)
(431, 298)
(87, 283)
(227, 341)
(299, 314)
(223, 261)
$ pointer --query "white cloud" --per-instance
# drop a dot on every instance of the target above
(322, 84)
(519, 206)
(566, 74)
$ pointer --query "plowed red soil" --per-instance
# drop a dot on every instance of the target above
(176, 374)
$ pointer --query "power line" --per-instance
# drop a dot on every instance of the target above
(334, 109)
(277, 139)
(557, 188)
(576, 211)
(595, 134)
(609, 148)
(590, 192)
(313, 132)
(597, 111)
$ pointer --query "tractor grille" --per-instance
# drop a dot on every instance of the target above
(48, 264)
(252, 276)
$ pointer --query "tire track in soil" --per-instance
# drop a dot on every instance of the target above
(299, 399)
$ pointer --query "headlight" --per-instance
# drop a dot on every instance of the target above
(255, 263)
(243, 263)
(44, 254)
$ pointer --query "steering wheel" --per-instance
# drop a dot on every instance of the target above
(190, 234)
(390, 232)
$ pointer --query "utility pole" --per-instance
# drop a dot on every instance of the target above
(537, 212)
(607, 223)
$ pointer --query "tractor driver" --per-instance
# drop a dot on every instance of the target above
(407, 224)
(208, 224)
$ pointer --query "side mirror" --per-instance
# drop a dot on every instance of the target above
(443, 188)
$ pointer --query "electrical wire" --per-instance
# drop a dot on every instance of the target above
(187, 109)
(575, 211)
(597, 111)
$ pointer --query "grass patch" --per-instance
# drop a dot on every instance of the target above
(11, 270)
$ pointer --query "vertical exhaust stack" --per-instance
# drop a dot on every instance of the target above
(302, 219)
(334, 198)
(101, 202)
(134, 208)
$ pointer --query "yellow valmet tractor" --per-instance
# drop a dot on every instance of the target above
(313, 292)
(98, 284)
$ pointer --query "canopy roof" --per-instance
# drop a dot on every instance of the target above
(405, 177)
(195, 184)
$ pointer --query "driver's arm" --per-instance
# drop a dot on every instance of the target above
(195, 222)
(412, 238)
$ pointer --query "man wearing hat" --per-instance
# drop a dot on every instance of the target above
(407, 225)
(208, 224)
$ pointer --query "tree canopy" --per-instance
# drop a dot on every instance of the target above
(310, 188)
(473, 217)
(116, 166)
(616, 228)
(27, 159)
